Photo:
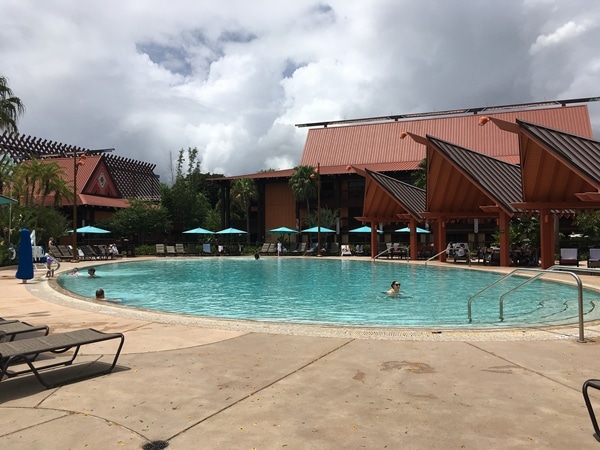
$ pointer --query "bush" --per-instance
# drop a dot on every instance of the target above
(145, 250)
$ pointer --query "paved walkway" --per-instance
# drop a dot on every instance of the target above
(214, 384)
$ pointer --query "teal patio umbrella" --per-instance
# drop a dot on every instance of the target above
(282, 230)
(198, 230)
(316, 230)
(231, 231)
(407, 230)
(363, 229)
(91, 230)
(6, 200)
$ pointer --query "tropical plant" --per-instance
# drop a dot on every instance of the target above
(141, 219)
(186, 204)
(419, 176)
(304, 184)
(329, 218)
(11, 107)
(34, 180)
(243, 192)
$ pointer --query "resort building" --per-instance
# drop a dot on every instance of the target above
(473, 175)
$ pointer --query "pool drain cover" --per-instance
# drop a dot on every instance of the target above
(156, 445)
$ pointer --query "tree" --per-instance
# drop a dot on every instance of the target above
(141, 219)
(329, 218)
(243, 191)
(35, 180)
(186, 204)
(11, 107)
(420, 175)
(304, 185)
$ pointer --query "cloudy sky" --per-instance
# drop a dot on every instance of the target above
(233, 77)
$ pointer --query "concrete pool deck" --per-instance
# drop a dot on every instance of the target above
(209, 383)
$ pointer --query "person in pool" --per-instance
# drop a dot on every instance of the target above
(92, 272)
(395, 288)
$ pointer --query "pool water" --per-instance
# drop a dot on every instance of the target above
(330, 292)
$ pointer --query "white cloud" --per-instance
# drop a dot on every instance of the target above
(232, 78)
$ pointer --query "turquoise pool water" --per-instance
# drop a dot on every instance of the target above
(329, 292)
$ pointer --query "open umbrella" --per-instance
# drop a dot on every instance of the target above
(198, 231)
(283, 230)
(407, 230)
(231, 231)
(91, 230)
(363, 229)
(5, 200)
(316, 230)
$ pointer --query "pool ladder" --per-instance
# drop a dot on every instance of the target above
(567, 270)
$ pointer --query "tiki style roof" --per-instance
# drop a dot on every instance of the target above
(379, 146)
(459, 180)
(131, 179)
(406, 197)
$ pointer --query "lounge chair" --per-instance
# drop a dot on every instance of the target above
(179, 249)
(24, 351)
(171, 250)
(461, 253)
(300, 249)
(595, 384)
(334, 249)
(345, 250)
(569, 257)
(264, 249)
(56, 253)
(359, 250)
(594, 258)
(65, 251)
(11, 329)
(193, 249)
(206, 249)
(160, 249)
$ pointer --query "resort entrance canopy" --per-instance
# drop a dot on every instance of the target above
(560, 174)
(389, 200)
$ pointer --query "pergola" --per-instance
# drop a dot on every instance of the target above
(389, 200)
(560, 174)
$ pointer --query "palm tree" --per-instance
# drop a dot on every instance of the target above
(11, 107)
(303, 184)
(243, 191)
(35, 180)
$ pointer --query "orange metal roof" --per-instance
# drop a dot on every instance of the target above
(380, 144)
(94, 200)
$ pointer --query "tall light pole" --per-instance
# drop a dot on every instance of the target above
(319, 208)
(78, 160)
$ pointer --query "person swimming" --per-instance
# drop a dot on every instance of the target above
(395, 288)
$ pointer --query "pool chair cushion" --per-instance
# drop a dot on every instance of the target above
(24, 353)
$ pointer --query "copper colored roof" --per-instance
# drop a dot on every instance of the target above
(412, 199)
(499, 181)
(94, 200)
(380, 143)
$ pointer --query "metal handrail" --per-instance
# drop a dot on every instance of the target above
(540, 272)
(434, 256)
(387, 250)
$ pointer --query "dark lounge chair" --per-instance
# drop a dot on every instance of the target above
(11, 329)
(569, 257)
(24, 351)
(594, 384)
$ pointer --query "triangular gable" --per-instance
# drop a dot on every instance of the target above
(462, 180)
(558, 167)
(100, 182)
(387, 199)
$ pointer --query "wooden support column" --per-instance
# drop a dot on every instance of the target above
(414, 251)
(440, 238)
(504, 225)
(546, 238)
(374, 239)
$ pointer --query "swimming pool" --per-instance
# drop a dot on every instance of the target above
(330, 292)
